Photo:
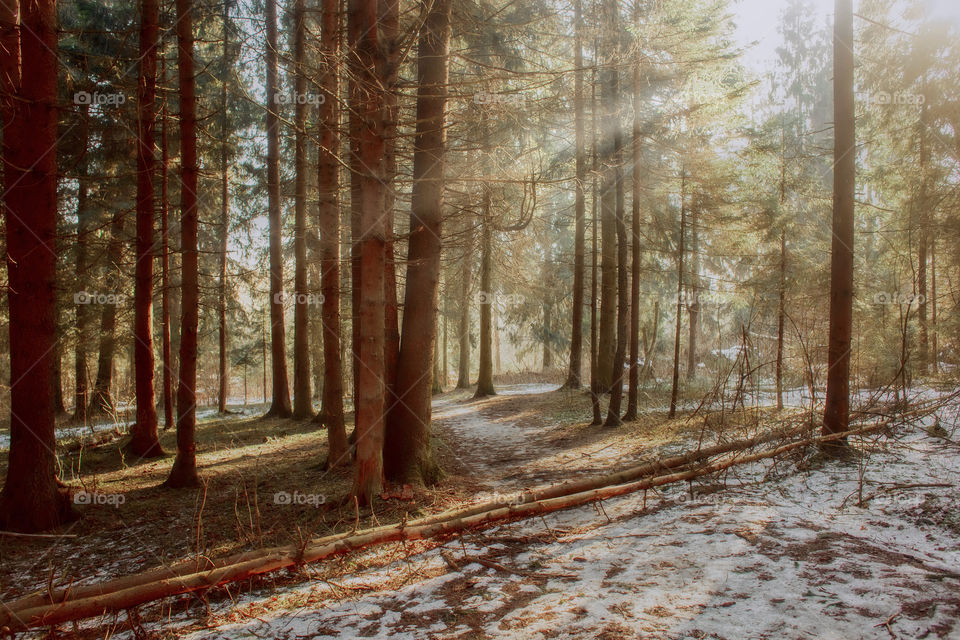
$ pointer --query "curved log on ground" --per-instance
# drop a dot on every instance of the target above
(131, 591)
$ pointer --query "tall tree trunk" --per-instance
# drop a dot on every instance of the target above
(224, 367)
(167, 367)
(280, 405)
(576, 330)
(463, 329)
(486, 300)
(144, 441)
(680, 251)
(390, 59)
(595, 389)
(934, 347)
(782, 284)
(836, 413)
(102, 402)
(608, 203)
(634, 381)
(781, 315)
(693, 308)
(623, 293)
(328, 187)
(30, 500)
(924, 240)
(84, 215)
(184, 471)
(408, 456)
(369, 113)
(302, 393)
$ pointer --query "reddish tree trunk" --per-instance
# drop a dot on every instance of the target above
(102, 402)
(371, 248)
(302, 393)
(407, 455)
(81, 369)
(634, 380)
(280, 406)
(144, 441)
(184, 472)
(167, 368)
(463, 327)
(224, 366)
(576, 331)
(30, 500)
(675, 388)
(390, 57)
(328, 186)
(836, 412)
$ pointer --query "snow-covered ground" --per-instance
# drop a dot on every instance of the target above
(794, 556)
(122, 423)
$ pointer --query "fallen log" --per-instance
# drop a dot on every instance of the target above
(72, 592)
(76, 606)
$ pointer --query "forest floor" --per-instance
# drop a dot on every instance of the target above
(774, 550)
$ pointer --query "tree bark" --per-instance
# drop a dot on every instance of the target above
(184, 471)
(595, 389)
(674, 392)
(224, 366)
(608, 202)
(576, 330)
(144, 441)
(693, 307)
(486, 300)
(328, 186)
(30, 500)
(371, 248)
(408, 456)
(280, 405)
(836, 413)
(84, 215)
(623, 293)
(302, 393)
(390, 60)
(102, 402)
(167, 366)
(634, 381)
(463, 329)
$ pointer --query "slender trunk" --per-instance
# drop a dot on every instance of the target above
(30, 500)
(390, 60)
(634, 381)
(781, 315)
(81, 370)
(693, 308)
(328, 187)
(184, 472)
(595, 389)
(224, 368)
(836, 414)
(145, 442)
(368, 111)
(408, 456)
(680, 251)
(782, 285)
(650, 344)
(623, 292)
(934, 347)
(167, 367)
(466, 270)
(923, 242)
(102, 402)
(302, 393)
(608, 203)
(486, 299)
(280, 405)
(576, 330)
